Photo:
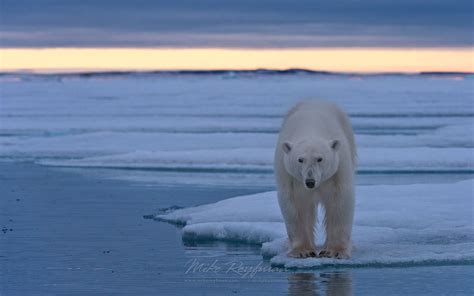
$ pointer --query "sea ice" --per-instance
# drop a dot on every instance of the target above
(394, 225)
(370, 159)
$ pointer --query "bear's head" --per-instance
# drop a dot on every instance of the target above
(311, 162)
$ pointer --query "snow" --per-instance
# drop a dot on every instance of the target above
(394, 225)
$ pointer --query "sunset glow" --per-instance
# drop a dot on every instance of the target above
(327, 59)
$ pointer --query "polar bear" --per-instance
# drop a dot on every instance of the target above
(315, 161)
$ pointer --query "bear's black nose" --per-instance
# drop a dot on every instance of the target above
(310, 183)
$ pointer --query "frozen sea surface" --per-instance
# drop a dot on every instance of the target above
(207, 123)
(197, 140)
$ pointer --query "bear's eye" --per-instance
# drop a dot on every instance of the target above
(319, 159)
(301, 160)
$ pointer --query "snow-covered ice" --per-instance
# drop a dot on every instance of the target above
(370, 159)
(143, 121)
(203, 124)
(394, 225)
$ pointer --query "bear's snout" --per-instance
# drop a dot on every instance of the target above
(310, 183)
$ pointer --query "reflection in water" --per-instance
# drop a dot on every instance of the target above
(300, 283)
(325, 283)
(338, 283)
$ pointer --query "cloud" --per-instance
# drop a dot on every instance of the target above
(231, 23)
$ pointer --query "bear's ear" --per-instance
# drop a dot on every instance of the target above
(334, 144)
(286, 146)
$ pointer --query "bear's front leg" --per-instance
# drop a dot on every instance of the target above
(339, 210)
(300, 216)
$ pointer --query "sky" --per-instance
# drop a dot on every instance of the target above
(240, 26)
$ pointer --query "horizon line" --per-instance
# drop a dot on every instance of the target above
(365, 60)
(262, 71)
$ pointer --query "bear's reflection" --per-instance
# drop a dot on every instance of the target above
(324, 283)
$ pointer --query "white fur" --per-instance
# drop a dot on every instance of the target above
(313, 130)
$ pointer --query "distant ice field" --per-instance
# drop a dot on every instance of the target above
(211, 123)
(261, 160)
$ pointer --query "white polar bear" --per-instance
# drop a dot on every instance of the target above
(315, 161)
